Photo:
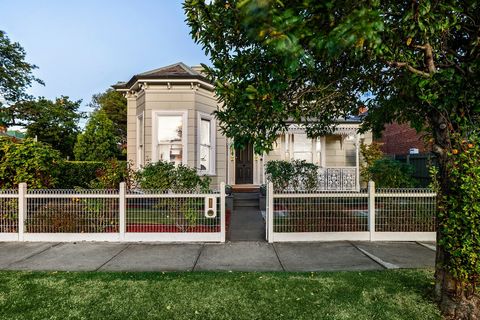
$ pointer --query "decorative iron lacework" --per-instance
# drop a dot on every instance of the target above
(341, 129)
(329, 179)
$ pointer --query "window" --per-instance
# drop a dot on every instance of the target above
(140, 141)
(302, 147)
(171, 133)
(206, 143)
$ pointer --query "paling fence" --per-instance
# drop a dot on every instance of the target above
(112, 215)
(368, 215)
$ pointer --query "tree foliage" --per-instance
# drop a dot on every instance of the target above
(52, 122)
(114, 105)
(34, 163)
(312, 61)
(15, 77)
(99, 141)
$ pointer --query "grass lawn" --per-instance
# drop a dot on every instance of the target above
(399, 294)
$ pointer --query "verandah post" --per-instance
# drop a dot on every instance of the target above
(122, 209)
(22, 209)
(223, 223)
(371, 209)
(270, 212)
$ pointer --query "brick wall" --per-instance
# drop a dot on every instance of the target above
(397, 139)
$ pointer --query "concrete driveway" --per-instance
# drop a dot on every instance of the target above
(235, 256)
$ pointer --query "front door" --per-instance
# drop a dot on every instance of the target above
(244, 165)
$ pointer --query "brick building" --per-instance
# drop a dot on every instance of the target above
(398, 139)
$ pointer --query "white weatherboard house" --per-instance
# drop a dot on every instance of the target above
(170, 118)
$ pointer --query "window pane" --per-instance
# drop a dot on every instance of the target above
(169, 128)
(205, 138)
(301, 143)
(170, 152)
(204, 158)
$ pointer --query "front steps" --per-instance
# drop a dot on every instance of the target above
(245, 199)
(246, 222)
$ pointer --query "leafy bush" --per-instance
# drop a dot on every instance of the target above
(111, 174)
(79, 173)
(164, 175)
(93, 174)
(370, 154)
(460, 227)
(280, 173)
(389, 173)
(28, 161)
(297, 174)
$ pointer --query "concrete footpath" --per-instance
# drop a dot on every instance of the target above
(235, 256)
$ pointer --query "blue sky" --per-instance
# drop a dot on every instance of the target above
(82, 47)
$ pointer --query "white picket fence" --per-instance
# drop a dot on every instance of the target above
(368, 215)
(112, 215)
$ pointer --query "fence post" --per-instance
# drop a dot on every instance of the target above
(122, 208)
(223, 223)
(371, 209)
(270, 212)
(22, 209)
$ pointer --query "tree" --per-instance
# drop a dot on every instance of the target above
(28, 161)
(310, 61)
(52, 122)
(15, 77)
(98, 142)
(114, 104)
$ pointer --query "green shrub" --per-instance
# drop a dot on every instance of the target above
(28, 161)
(93, 174)
(389, 173)
(370, 153)
(111, 174)
(79, 174)
(297, 174)
(163, 175)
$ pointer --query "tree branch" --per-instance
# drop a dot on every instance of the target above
(409, 68)
(428, 58)
(429, 62)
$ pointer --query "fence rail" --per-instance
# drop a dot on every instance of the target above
(111, 215)
(368, 215)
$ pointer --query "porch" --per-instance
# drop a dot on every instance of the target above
(337, 156)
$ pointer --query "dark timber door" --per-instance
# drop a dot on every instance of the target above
(244, 165)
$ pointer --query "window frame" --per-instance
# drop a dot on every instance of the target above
(156, 143)
(318, 154)
(140, 156)
(213, 142)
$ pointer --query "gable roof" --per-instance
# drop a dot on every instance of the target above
(174, 71)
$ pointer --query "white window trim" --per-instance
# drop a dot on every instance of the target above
(213, 135)
(155, 114)
(140, 150)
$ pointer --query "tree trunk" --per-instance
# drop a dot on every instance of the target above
(454, 299)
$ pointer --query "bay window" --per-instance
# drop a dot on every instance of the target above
(171, 136)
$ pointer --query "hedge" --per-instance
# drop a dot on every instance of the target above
(81, 174)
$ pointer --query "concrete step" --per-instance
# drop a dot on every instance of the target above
(246, 195)
(245, 188)
(245, 203)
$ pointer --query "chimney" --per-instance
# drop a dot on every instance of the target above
(362, 110)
